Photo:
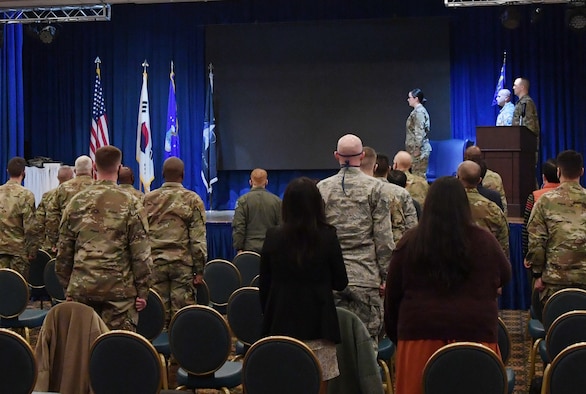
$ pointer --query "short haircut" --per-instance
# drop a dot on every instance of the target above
(369, 159)
(482, 164)
(83, 165)
(16, 166)
(469, 173)
(108, 159)
(65, 173)
(550, 171)
(570, 164)
(383, 164)
(173, 169)
(397, 177)
(259, 177)
(125, 176)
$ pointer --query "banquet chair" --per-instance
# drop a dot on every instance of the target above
(245, 318)
(151, 324)
(18, 370)
(255, 281)
(248, 264)
(222, 278)
(123, 362)
(202, 296)
(565, 374)
(566, 330)
(14, 298)
(280, 364)
(560, 302)
(505, 344)
(52, 284)
(36, 278)
(63, 347)
(201, 342)
(384, 358)
(464, 368)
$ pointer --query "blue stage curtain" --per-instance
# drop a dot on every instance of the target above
(12, 98)
(517, 294)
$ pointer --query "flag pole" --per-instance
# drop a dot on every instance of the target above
(211, 78)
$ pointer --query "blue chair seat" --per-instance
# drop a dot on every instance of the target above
(536, 329)
(510, 379)
(543, 352)
(29, 318)
(161, 344)
(229, 375)
(386, 349)
(240, 348)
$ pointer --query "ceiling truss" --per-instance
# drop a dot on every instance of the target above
(481, 3)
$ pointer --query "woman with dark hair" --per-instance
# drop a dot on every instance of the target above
(301, 263)
(442, 284)
(416, 139)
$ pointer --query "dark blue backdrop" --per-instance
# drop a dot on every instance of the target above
(45, 103)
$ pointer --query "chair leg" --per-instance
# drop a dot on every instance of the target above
(388, 383)
(164, 372)
(532, 358)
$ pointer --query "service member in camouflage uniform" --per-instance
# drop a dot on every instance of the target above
(416, 186)
(485, 213)
(491, 180)
(19, 238)
(64, 194)
(64, 174)
(255, 212)
(126, 183)
(417, 136)
(358, 207)
(104, 256)
(557, 231)
(177, 233)
(525, 103)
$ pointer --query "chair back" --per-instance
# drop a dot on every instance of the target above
(151, 320)
(563, 301)
(565, 374)
(504, 341)
(200, 339)
(18, 369)
(245, 315)
(566, 330)
(36, 271)
(280, 364)
(255, 281)
(52, 283)
(222, 278)
(123, 362)
(463, 368)
(248, 264)
(14, 293)
(202, 294)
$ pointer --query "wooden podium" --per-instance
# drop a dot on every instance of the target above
(510, 151)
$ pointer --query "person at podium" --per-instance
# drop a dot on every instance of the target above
(505, 116)
(525, 113)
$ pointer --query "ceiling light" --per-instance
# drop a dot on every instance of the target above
(47, 34)
(511, 17)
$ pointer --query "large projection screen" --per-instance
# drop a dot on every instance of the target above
(284, 93)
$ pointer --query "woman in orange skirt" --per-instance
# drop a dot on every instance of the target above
(442, 284)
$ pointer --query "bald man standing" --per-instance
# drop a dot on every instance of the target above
(255, 212)
(416, 186)
(126, 182)
(505, 116)
(358, 207)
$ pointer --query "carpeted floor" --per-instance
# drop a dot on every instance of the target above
(516, 322)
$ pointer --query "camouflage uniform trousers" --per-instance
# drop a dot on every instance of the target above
(419, 166)
(17, 263)
(367, 304)
(174, 283)
(118, 315)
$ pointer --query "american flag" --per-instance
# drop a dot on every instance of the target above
(99, 132)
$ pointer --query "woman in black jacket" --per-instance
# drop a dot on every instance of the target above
(301, 263)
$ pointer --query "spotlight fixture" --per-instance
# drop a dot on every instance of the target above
(511, 17)
(47, 34)
(576, 16)
(536, 15)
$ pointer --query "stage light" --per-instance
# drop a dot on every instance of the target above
(47, 34)
(576, 17)
(536, 15)
(511, 17)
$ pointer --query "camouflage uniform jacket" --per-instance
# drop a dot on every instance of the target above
(255, 212)
(130, 189)
(358, 207)
(177, 226)
(488, 215)
(41, 216)
(104, 251)
(493, 181)
(557, 236)
(18, 230)
(56, 206)
(417, 126)
(417, 187)
(531, 120)
(401, 198)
